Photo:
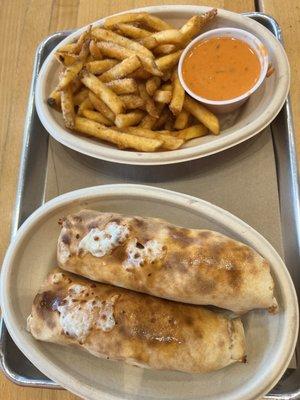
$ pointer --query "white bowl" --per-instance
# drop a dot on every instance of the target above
(259, 111)
(225, 106)
(270, 339)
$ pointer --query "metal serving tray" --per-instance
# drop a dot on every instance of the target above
(33, 190)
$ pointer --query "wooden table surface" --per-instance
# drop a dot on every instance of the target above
(23, 24)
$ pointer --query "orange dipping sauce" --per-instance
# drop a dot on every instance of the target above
(221, 68)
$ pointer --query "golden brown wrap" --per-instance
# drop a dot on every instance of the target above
(153, 256)
(142, 330)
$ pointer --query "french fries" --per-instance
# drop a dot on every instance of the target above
(123, 86)
(132, 31)
(177, 95)
(121, 70)
(96, 116)
(152, 85)
(67, 107)
(130, 119)
(122, 140)
(104, 93)
(100, 66)
(120, 84)
(163, 96)
(202, 114)
(149, 103)
(100, 106)
(182, 120)
(169, 142)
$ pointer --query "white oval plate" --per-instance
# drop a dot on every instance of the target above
(270, 339)
(259, 111)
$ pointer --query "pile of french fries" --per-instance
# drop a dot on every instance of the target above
(120, 84)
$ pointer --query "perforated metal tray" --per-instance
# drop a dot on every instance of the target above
(33, 190)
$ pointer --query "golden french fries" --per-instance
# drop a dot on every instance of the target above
(169, 142)
(120, 84)
(123, 86)
(163, 96)
(108, 96)
(132, 31)
(121, 70)
(202, 114)
(129, 119)
(67, 107)
(100, 66)
(152, 85)
(100, 106)
(121, 139)
(178, 95)
(182, 120)
(96, 116)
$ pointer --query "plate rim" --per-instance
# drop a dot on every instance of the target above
(36, 356)
(96, 150)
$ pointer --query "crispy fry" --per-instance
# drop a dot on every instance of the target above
(100, 106)
(107, 95)
(151, 21)
(121, 70)
(156, 23)
(132, 101)
(123, 18)
(152, 85)
(85, 105)
(54, 99)
(169, 142)
(140, 73)
(116, 51)
(149, 103)
(164, 49)
(132, 31)
(163, 96)
(169, 36)
(122, 140)
(69, 74)
(67, 107)
(148, 122)
(95, 51)
(194, 25)
(149, 42)
(192, 132)
(129, 119)
(202, 114)
(66, 59)
(109, 36)
(100, 66)
(182, 120)
(123, 86)
(82, 39)
(178, 95)
(68, 48)
(166, 62)
(80, 96)
(166, 75)
(85, 51)
(96, 116)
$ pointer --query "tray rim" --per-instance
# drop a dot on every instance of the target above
(294, 182)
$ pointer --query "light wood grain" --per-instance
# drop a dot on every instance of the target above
(288, 16)
(23, 24)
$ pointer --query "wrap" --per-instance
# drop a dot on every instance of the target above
(152, 256)
(142, 330)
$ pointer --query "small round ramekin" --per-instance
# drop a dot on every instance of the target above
(224, 106)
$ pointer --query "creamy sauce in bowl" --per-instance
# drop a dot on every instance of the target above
(221, 68)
